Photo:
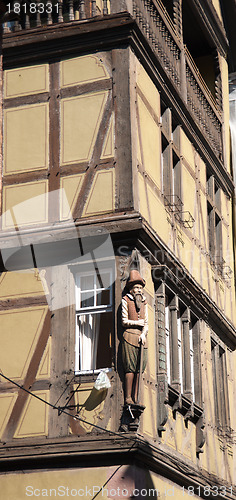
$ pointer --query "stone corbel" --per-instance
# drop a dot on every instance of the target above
(189, 414)
(130, 419)
(162, 400)
(200, 434)
(177, 405)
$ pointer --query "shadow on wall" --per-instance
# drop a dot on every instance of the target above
(129, 481)
(95, 399)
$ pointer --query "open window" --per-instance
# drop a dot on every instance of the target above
(94, 321)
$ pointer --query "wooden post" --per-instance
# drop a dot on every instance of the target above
(186, 355)
(175, 380)
(140, 372)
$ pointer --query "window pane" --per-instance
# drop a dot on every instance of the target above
(87, 299)
(167, 328)
(179, 326)
(88, 324)
(191, 361)
(93, 341)
(103, 298)
(103, 279)
(87, 282)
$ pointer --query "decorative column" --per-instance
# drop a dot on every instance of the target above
(162, 383)
(121, 6)
(178, 22)
(177, 15)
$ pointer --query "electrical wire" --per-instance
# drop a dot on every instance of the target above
(136, 440)
(62, 410)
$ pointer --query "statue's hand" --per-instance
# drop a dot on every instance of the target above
(140, 322)
(142, 338)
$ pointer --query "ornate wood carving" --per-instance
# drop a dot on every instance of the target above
(162, 383)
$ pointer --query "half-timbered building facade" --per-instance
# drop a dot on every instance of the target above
(116, 156)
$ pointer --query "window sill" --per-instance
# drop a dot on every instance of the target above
(90, 375)
(185, 406)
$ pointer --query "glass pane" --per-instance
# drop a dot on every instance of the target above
(87, 282)
(104, 344)
(103, 279)
(94, 341)
(179, 325)
(103, 298)
(191, 361)
(87, 299)
(88, 328)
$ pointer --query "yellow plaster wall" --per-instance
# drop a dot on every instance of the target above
(90, 405)
(109, 143)
(34, 418)
(25, 204)
(101, 198)
(179, 437)
(26, 80)
(148, 131)
(70, 188)
(202, 170)
(20, 284)
(152, 208)
(186, 148)
(149, 418)
(45, 363)
(80, 120)
(26, 131)
(20, 331)
(149, 140)
(190, 247)
(148, 89)
(188, 192)
(169, 489)
(203, 236)
(39, 484)
(80, 70)
(7, 402)
(124, 481)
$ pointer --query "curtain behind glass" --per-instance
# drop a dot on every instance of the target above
(89, 325)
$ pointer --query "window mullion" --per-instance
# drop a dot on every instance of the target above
(186, 355)
(175, 378)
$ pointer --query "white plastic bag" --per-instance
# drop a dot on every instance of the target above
(102, 381)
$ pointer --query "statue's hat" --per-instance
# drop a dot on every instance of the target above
(135, 279)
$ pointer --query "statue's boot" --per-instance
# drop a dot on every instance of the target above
(129, 377)
(136, 383)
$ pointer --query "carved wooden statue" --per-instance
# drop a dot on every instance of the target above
(135, 323)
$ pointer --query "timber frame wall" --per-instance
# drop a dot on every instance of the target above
(172, 70)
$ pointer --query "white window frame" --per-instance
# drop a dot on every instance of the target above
(95, 309)
(180, 355)
(192, 361)
(167, 330)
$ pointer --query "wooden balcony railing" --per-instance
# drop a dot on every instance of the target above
(154, 22)
(157, 26)
(203, 105)
(159, 29)
(35, 13)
